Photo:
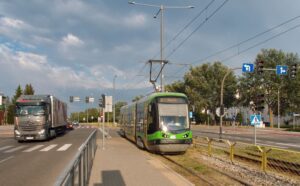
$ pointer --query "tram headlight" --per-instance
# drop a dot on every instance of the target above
(164, 128)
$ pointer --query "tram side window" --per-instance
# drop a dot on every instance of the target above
(151, 115)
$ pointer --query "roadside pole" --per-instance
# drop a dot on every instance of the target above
(103, 129)
(221, 99)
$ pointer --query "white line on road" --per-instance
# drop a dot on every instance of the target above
(15, 149)
(6, 159)
(49, 148)
(33, 148)
(288, 144)
(269, 145)
(64, 147)
(5, 147)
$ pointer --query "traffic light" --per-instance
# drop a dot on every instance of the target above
(260, 102)
(87, 99)
(100, 102)
(103, 100)
(71, 99)
(260, 67)
(293, 71)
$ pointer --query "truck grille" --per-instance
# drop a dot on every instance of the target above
(28, 127)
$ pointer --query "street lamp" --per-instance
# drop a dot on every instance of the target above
(114, 107)
(221, 99)
(161, 11)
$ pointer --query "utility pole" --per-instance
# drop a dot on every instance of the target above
(114, 97)
(161, 11)
(278, 107)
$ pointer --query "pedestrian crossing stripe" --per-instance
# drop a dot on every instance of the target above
(64, 147)
(15, 149)
(49, 148)
(41, 148)
(33, 148)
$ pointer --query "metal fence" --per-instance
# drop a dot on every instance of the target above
(264, 158)
(78, 171)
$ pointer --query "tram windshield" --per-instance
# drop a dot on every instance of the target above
(173, 117)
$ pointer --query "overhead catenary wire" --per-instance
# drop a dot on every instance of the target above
(262, 42)
(197, 28)
(186, 26)
(247, 40)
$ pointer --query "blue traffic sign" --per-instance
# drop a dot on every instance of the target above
(255, 119)
(248, 67)
(191, 114)
(281, 70)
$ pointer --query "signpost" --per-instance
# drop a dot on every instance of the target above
(255, 120)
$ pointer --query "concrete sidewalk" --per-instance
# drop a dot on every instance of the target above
(122, 163)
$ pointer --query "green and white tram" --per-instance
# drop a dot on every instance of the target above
(158, 122)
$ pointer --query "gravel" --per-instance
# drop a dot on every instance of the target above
(247, 173)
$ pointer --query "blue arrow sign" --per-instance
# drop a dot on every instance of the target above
(281, 70)
(248, 67)
(255, 119)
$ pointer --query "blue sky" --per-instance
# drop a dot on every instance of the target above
(76, 47)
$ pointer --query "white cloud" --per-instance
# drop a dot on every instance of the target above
(10, 22)
(136, 20)
(71, 40)
(31, 61)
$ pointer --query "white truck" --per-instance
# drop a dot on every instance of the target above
(39, 117)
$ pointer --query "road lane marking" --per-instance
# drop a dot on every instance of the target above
(64, 147)
(49, 148)
(5, 147)
(6, 159)
(15, 149)
(33, 148)
(288, 144)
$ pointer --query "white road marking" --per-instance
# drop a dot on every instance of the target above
(269, 145)
(5, 147)
(15, 149)
(33, 148)
(48, 148)
(64, 147)
(6, 159)
(288, 144)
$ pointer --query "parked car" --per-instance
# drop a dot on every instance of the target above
(70, 126)
(75, 123)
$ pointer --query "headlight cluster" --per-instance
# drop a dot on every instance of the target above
(165, 135)
(17, 132)
(41, 131)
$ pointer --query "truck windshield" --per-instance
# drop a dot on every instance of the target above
(173, 117)
(23, 110)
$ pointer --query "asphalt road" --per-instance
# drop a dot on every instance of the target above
(39, 162)
(264, 136)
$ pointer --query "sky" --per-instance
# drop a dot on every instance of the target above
(80, 47)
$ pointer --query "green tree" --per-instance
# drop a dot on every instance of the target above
(11, 107)
(270, 84)
(28, 90)
(177, 86)
(202, 84)
(136, 98)
(118, 106)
